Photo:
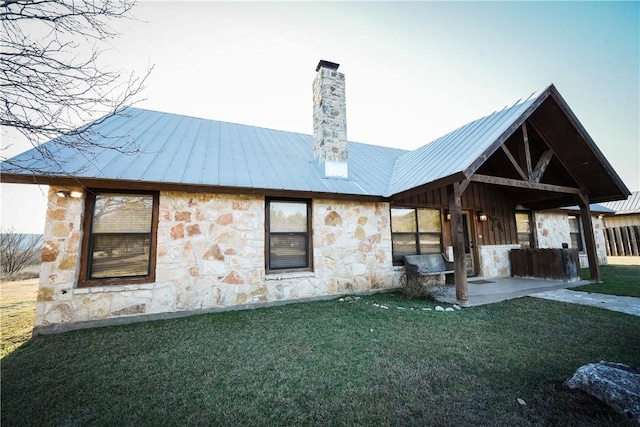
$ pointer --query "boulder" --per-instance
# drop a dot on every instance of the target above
(615, 384)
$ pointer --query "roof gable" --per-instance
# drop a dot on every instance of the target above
(458, 151)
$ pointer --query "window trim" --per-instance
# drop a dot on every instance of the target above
(83, 279)
(581, 244)
(417, 233)
(267, 239)
(533, 242)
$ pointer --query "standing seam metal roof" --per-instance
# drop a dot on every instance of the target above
(177, 149)
(629, 206)
(456, 151)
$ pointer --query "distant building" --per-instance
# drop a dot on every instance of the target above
(623, 227)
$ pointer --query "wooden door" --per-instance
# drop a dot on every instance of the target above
(469, 243)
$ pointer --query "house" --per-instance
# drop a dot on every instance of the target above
(622, 226)
(190, 215)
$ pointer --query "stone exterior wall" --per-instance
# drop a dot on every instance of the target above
(211, 255)
(494, 260)
(552, 230)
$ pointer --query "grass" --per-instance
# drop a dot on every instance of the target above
(17, 315)
(622, 280)
(328, 363)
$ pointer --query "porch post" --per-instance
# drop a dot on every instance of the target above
(589, 238)
(457, 241)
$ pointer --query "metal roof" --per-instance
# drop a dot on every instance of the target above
(594, 207)
(457, 151)
(169, 148)
(162, 148)
(629, 206)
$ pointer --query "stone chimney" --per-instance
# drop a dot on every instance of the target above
(330, 121)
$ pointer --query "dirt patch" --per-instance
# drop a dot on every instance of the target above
(624, 260)
(19, 290)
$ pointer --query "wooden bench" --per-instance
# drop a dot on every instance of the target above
(427, 265)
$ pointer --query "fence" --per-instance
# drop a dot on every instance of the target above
(622, 241)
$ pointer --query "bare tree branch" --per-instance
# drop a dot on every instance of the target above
(51, 81)
(18, 250)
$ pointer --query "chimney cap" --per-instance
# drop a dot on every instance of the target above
(327, 64)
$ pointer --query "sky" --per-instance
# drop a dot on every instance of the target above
(414, 70)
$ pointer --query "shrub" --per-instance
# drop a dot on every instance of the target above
(422, 287)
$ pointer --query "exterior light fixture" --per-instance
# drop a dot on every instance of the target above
(447, 215)
(66, 193)
(482, 216)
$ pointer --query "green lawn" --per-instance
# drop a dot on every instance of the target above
(622, 280)
(324, 363)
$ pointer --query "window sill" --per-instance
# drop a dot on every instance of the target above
(292, 275)
(114, 288)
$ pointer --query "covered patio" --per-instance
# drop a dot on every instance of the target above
(534, 156)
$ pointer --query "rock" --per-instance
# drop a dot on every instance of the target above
(521, 402)
(401, 308)
(456, 307)
(341, 300)
(449, 309)
(615, 384)
(384, 306)
(427, 309)
(438, 308)
(348, 299)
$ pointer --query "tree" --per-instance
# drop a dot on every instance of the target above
(18, 250)
(51, 81)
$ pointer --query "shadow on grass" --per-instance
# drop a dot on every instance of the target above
(329, 363)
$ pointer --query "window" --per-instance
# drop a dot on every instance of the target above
(415, 231)
(524, 229)
(119, 238)
(288, 238)
(574, 232)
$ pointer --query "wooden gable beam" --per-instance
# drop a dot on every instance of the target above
(525, 150)
(544, 138)
(541, 166)
(507, 182)
(514, 163)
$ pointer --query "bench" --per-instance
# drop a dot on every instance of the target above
(427, 265)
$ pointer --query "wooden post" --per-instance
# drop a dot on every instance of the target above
(607, 244)
(619, 245)
(635, 248)
(457, 241)
(626, 241)
(589, 239)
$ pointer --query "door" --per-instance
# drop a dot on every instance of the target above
(469, 255)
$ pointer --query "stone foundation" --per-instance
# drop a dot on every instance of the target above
(211, 255)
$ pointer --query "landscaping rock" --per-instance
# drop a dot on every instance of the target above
(456, 307)
(615, 384)
(449, 309)
(439, 308)
(521, 402)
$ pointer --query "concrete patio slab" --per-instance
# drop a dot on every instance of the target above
(629, 305)
(491, 290)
